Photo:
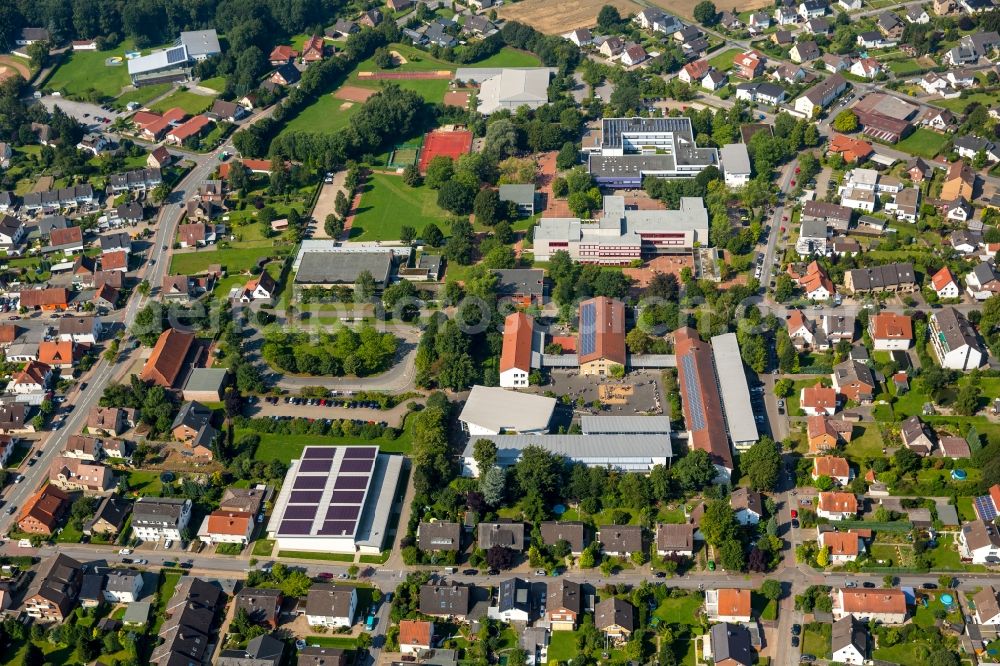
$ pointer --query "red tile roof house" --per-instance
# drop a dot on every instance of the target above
(227, 527)
(196, 235)
(844, 546)
(415, 636)
(890, 331)
(165, 363)
(834, 467)
(282, 55)
(887, 606)
(837, 506)
(945, 284)
(515, 359)
(817, 400)
(191, 129)
(314, 49)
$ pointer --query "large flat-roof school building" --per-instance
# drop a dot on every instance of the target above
(336, 499)
(633, 148)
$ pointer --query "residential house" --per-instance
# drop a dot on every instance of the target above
(987, 606)
(43, 511)
(620, 540)
(810, 9)
(969, 146)
(788, 73)
(837, 505)
(821, 95)
(193, 427)
(760, 93)
(905, 204)
(728, 605)
(227, 527)
(872, 39)
(826, 434)
(439, 536)
(164, 365)
(835, 467)
(748, 505)
(749, 64)
(515, 358)
(415, 636)
(611, 47)
(954, 340)
(842, 547)
(504, 535)
(156, 518)
(513, 601)
(890, 331)
(813, 237)
(887, 606)
(122, 586)
(285, 75)
(33, 378)
(675, 539)
(979, 542)
(262, 605)
(109, 518)
(445, 600)
(983, 282)
(851, 150)
(867, 68)
(52, 594)
(785, 16)
(917, 436)
(806, 51)
(856, 381)
(581, 37)
(633, 54)
(836, 63)
(816, 400)
(574, 533)
(816, 283)
(959, 181)
(264, 650)
(895, 278)
(890, 25)
(615, 618)
(563, 605)
(332, 605)
(730, 644)
(849, 641)
(313, 49)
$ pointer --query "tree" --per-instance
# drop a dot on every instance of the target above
(943, 657)
(440, 170)
(705, 13)
(486, 206)
(341, 205)
(967, 400)
(499, 557)
(784, 388)
(719, 523)
(407, 234)
(846, 121)
(784, 288)
(493, 485)
(823, 557)
(383, 59)
(609, 19)
(411, 175)
(364, 287)
(333, 226)
(762, 464)
(568, 156)
(432, 235)
(695, 470)
(456, 197)
(905, 460)
(484, 452)
(730, 555)
(771, 589)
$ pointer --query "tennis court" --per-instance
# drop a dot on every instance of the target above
(404, 154)
(450, 143)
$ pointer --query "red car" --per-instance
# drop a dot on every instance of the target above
(797, 169)
(325, 576)
(793, 183)
(784, 218)
(795, 514)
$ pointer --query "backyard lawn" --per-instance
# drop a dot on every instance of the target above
(866, 442)
(923, 142)
(216, 83)
(232, 259)
(959, 103)
(724, 60)
(388, 204)
(816, 639)
(190, 102)
(913, 653)
(680, 610)
(562, 646)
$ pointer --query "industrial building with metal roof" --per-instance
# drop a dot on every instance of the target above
(735, 392)
(627, 453)
(493, 411)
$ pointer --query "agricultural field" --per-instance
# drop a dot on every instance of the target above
(509, 57)
(685, 8)
(557, 18)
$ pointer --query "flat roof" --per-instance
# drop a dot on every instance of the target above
(206, 379)
(498, 409)
(735, 158)
(625, 425)
(201, 42)
(374, 526)
(324, 492)
(520, 194)
(614, 449)
(343, 267)
(734, 389)
(175, 56)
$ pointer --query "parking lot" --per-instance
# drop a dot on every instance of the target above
(84, 112)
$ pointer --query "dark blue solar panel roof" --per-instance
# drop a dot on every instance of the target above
(693, 394)
(588, 333)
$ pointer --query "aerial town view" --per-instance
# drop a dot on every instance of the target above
(499, 332)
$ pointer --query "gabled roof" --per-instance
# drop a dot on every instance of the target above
(165, 363)
(614, 612)
(517, 337)
(832, 466)
(602, 330)
(836, 502)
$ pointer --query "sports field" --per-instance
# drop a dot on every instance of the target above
(388, 204)
(11, 65)
(509, 57)
(84, 71)
(450, 144)
(432, 90)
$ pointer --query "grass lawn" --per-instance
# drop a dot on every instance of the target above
(323, 116)
(216, 83)
(680, 610)
(232, 259)
(376, 559)
(388, 204)
(510, 57)
(145, 483)
(287, 447)
(671, 516)
(562, 646)
(432, 90)
(192, 103)
(332, 641)
(816, 639)
(914, 653)
(965, 511)
(83, 72)
(724, 60)
(959, 104)
(68, 534)
(142, 95)
(263, 547)
(924, 142)
(903, 67)
(764, 608)
(866, 442)
(165, 589)
(307, 555)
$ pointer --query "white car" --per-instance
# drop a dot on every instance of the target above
(169, 543)
(125, 551)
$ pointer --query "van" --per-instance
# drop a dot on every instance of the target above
(451, 570)
(24, 543)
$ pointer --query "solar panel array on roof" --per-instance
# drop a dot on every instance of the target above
(985, 508)
(588, 332)
(329, 490)
(694, 396)
(177, 55)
